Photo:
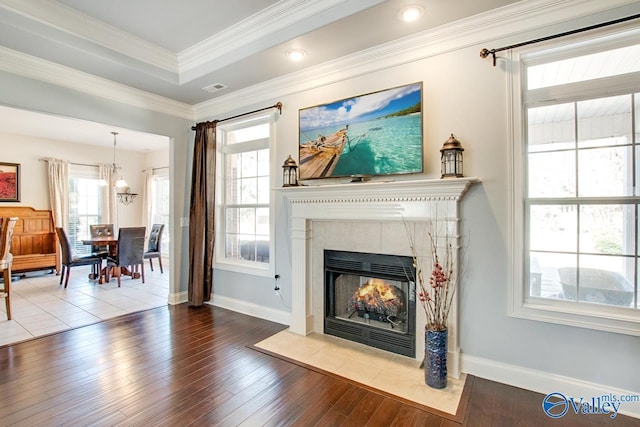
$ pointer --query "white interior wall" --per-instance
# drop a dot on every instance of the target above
(33, 173)
(467, 96)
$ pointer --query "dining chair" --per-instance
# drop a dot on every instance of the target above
(129, 253)
(154, 245)
(69, 260)
(100, 230)
(6, 260)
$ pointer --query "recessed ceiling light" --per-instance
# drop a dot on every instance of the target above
(411, 13)
(296, 54)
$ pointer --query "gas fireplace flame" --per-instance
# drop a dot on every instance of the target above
(377, 287)
(376, 296)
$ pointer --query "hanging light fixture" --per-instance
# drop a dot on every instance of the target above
(125, 196)
(120, 182)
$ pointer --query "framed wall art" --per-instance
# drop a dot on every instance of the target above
(9, 182)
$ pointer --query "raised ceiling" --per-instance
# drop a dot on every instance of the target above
(174, 48)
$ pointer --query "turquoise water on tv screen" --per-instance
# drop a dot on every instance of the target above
(378, 147)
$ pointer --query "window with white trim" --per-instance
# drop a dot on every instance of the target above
(160, 203)
(84, 205)
(244, 240)
(578, 195)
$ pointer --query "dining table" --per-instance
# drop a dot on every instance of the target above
(112, 243)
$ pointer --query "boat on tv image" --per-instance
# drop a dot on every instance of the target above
(368, 135)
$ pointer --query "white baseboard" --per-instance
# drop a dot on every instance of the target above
(244, 307)
(545, 383)
(178, 298)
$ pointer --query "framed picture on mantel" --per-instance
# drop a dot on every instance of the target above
(9, 182)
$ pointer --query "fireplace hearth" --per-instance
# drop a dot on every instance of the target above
(370, 298)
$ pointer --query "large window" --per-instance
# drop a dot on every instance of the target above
(160, 204)
(579, 195)
(84, 205)
(244, 215)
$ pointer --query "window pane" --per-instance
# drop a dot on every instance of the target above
(637, 141)
(604, 121)
(160, 206)
(605, 172)
(264, 190)
(232, 217)
(263, 162)
(587, 67)
(84, 210)
(232, 244)
(553, 228)
(607, 229)
(606, 280)
(248, 134)
(544, 274)
(249, 164)
(249, 191)
(247, 220)
(232, 186)
(551, 128)
(552, 174)
(247, 248)
(262, 223)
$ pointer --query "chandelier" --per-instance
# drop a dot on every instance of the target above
(125, 196)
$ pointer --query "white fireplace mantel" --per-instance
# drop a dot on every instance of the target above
(379, 201)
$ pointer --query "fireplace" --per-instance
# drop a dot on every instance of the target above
(370, 298)
(365, 217)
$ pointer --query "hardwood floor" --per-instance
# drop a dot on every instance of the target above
(184, 366)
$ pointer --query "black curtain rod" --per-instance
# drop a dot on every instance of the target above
(74, 164)
(486, 52)
(277, 105)
(155, 169)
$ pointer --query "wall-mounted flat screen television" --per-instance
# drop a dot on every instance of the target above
(379, 133)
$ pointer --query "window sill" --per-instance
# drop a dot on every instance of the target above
(252, 268)
(608, 319)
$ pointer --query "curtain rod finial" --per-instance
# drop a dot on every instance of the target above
(486, 52)
(279, 107)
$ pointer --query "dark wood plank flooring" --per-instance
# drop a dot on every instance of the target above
(182, 366)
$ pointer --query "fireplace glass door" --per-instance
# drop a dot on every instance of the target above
(370, 298)
(372, 301)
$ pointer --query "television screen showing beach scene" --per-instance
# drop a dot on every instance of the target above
(378, 133)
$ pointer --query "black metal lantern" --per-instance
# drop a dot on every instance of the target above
(289, 173)
(451, 158)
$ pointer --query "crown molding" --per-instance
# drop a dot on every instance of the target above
(502, 25)
(271, 26)
(24, 65)
(62, 18)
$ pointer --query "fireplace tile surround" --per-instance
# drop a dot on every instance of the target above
(365, 217)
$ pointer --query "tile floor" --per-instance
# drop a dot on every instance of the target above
(389, 372)
(41, 306)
